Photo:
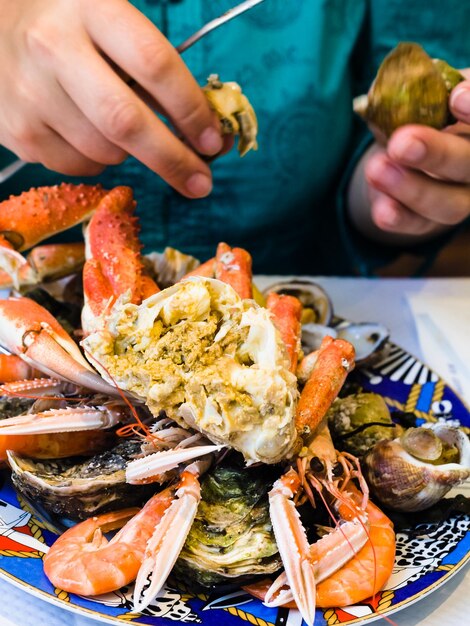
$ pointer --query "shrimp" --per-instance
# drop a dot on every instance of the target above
(367, 564)
(83, 561)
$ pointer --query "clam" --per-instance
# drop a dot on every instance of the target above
(368, 338)
(76, 488)
(413, 472)
(410, 88)
(316, 302)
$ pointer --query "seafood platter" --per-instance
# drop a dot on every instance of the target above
(178, 445)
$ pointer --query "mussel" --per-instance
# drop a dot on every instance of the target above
(416, 470)
(410, 88)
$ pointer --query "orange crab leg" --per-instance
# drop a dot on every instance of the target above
(287, 311)
(114, 264)
(27, 219)
(49, 262)
(206, 270)
(335, 360)
(233, 266)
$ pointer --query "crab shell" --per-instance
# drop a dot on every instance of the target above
(210, 360)
(404, 483)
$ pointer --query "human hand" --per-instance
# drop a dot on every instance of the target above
(64, 103)
(419, 185)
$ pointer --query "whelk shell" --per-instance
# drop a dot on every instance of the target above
(403, 482)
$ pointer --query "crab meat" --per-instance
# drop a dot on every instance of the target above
(210, 360)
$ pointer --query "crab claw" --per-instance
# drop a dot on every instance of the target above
(158, 463)
(164, 546)
(293, 545)
(31, 332)
(61, 420)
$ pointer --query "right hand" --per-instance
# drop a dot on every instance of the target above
(63, 105)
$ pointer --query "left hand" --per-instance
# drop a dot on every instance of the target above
(419, 185)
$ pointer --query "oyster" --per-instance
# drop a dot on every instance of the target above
(77, 488)
(357, 422)
(410, 88)
(401, 481)
(210, 360)
(232, 536)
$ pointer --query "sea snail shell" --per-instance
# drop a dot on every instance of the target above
(404, 483)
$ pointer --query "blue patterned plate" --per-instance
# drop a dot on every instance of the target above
(425, 559)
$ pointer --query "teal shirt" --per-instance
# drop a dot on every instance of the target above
(300, 63)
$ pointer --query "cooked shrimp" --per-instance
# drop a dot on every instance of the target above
(83, 561)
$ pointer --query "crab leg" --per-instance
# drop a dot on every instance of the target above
(206, 270)
(287, 311)
(27, 219)
(334, 361)
(31, 332)
(46, 263)
(233, 266)
(164, 546)
(114, 264)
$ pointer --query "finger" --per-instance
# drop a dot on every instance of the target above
(139, 48)
(459, 100)
(114, 109)
(40, 144)
(66, 119)
(393, 217)
(444, 155)
(438, 201)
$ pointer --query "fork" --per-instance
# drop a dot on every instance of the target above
(11, 169)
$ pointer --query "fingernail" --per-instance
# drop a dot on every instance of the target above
(460, 101)
(411, 150)
(386, 174)
(199, 185)
(210, 141)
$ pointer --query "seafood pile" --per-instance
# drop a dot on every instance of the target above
(195, 419)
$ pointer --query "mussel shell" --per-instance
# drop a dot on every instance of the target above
(310, 294)
(76, 488)
(402, 482)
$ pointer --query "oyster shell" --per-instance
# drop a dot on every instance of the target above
(405, 483)
(318, 308)
(357, 422)
(77, 488)
(232, 536)
(410, 88)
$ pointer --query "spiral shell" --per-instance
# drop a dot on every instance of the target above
(402, 482)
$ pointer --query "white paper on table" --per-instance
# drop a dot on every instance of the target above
(443, 327)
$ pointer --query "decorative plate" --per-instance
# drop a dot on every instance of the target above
(426, 557)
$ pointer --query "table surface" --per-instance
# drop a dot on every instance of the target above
(359, 300)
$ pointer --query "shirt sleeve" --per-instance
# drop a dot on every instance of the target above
(440, 30)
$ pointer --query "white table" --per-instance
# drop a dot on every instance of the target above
(358, 300)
